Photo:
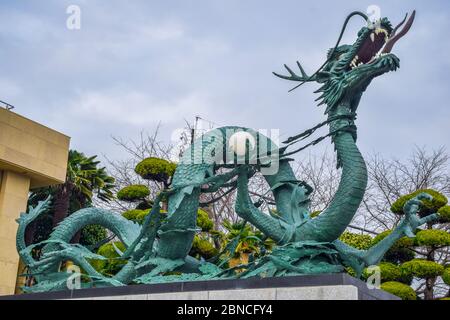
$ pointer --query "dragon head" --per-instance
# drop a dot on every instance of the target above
(349, 69)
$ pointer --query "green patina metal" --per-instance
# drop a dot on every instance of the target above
(305, 245)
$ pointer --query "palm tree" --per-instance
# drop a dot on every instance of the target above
(83, 180)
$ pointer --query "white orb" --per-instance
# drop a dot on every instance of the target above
(238, 142)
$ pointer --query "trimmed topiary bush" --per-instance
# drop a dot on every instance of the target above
(431, 237)
(389, 272)
(203, 221)
(438, 201)
(446, 276)
(155, 169)
(400, 290)
(133, 193)
(415, 255)
(423, 269)
(444, 213)
(113, 264)
(359, 241)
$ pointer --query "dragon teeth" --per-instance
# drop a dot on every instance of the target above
(354, 62)
(378, 31)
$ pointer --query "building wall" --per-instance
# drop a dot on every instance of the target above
(13, 200)
(31, 156)
(32, 149)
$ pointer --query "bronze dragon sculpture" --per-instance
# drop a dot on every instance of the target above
(227, 158)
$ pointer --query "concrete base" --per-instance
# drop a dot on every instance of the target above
(308, 287)
(297, 293)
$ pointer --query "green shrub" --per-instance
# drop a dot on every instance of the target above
(113, 264)
(400, 290)
(444, 213)
(389, 272)
(438, 201)
(136, 215)
(133, 193)
(203, 221)
(202, 247)
(421, 268)
(359, 241)
(446, 276)
(155, 169)
(432, 237)
(92, 234)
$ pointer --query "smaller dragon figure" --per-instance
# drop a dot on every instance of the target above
(217, 160)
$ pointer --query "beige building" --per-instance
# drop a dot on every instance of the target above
(31, 156)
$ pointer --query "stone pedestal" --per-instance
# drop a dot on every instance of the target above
(308, 287)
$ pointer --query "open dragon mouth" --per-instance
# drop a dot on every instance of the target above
(371, 47)
(379, 42)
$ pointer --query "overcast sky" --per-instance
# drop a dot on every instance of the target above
(136, 63)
